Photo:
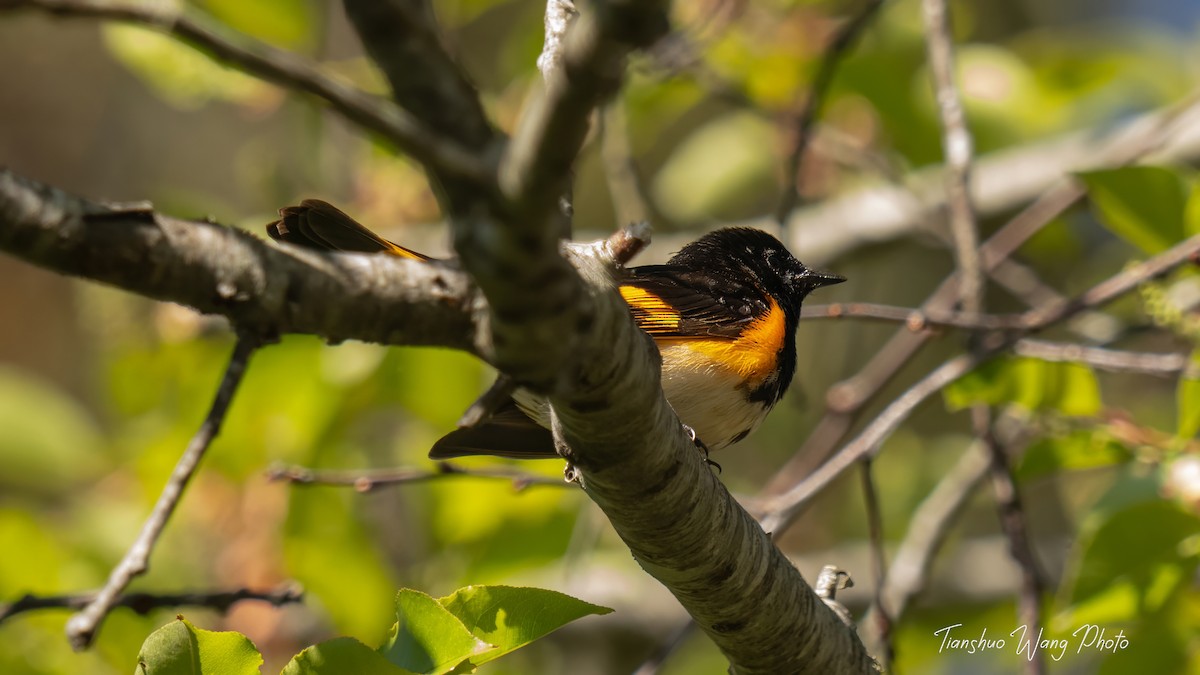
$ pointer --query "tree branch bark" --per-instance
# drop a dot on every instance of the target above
(225, 271)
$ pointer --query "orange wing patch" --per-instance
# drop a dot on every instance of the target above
(753, 355)
(651, 312)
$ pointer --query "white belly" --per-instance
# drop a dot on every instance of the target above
(706, 396)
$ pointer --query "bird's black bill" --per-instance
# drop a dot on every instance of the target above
(816, 279)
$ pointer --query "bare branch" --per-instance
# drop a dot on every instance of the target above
(402, 38)
(225, 271)
(286, 70)
(838, 48)
(1002, 181)
(559, 15)
(624, 184)
(927, 531)
(371, 479)
(536, 166)
(913, 318)
(144, 603)
(782, 510)
(82, 627)
(879, 569)
(1016, 530)
(1115, 360)
(957, 148)
(845, 400)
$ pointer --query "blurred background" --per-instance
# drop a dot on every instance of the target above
(99, 390)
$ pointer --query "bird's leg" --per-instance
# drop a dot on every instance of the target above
(700, 446)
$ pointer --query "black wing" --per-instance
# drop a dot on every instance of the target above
(671, 302)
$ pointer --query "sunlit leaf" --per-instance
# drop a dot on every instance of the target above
(179, 648)
(341, 656)
(1066, 388)
(511, 617)
(286, 23)
(331, 553)
(1133, 544)
(1142, 204)
(1191, 213)
(183, 76)
(427, 638)
(1078, 393)
(47, 440)
(1187, 401)
(720, 169)
(1087, 449)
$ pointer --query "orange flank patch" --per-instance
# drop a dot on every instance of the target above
(753, 355)
(651, 313)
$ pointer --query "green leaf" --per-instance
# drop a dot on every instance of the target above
(1187, 401)
(511, 617)
(340, 656)
(427, 638)
(49, 442)
(1068, 388)
(1142, 204)
(1135, 545)
(285, 23)
(985, 384)
(719, 171)
(1079, 450)
(182, 75)
(1078, 392)
(1191, 213)
(179, 648)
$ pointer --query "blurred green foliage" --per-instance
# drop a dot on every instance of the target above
(80, 467)
(470, 627)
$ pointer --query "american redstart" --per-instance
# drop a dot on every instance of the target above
(723, 312)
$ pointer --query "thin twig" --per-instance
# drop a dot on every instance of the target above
(286, 70)
(1003, 181)
(624, 184)
(879, 568)
(927, 531)
(559, 15)
(367, 480)
(783, 509)
(1115, 360)
(914, 318)
(1016, 530)
(82, 627)
(846, 399)
(144, 603)
(802, 125)
(957, 148)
